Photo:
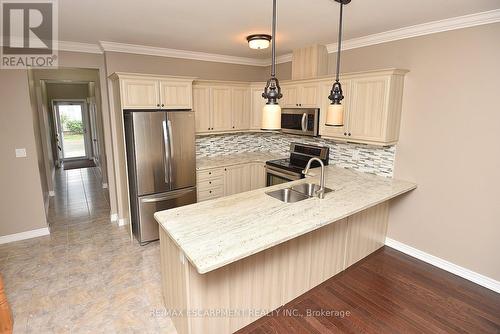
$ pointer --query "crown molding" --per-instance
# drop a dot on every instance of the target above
(433, 27)
(175, 53)
(79, 47)
(459, 22)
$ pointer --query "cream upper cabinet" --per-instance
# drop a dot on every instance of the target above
(140, 94)
(300, 95)
(368, 110)
(290, 97)
(221, 108)
(154, 92)
(201, 107)
(333, 131)
(309, 94)
(258, 102)
(176, 94)
(240, 108)
(372, 103)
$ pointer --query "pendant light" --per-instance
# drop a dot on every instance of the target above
(271, 113)
(335, 113)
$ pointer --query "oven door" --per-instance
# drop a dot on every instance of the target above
(300, 121)
(276, 176)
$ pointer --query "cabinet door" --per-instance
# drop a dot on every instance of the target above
(221, 108)
(258, 103)
(368, 109)
(176, 95)
(258, 176)
(140, 94)
(241, 108)
(237, 179)
(339, 132)
(309, 95)
(201, 107)
(290, 96)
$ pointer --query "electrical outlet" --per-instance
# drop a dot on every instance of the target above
(20, 153)
(355, 155)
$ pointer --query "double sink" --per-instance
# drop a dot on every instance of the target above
(297, 193)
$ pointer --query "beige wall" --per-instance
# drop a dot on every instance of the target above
(126, 62)
(21, 199)
(449, 142)
(67, 91)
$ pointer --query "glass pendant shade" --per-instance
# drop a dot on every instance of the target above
(335, 115)
(271, 117)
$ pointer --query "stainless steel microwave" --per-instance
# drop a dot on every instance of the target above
(300, 121)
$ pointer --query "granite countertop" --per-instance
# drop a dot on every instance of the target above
(217, 232)
(235, 159)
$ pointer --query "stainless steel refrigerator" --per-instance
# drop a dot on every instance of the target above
(161, 164)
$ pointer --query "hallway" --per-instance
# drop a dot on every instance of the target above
(87, 276)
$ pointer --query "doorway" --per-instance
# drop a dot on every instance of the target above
(72, 124)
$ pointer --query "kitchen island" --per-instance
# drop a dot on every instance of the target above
(228, 261)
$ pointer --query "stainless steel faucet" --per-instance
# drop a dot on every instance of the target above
(321, 191)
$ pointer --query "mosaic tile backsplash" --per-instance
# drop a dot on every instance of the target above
(364, 158)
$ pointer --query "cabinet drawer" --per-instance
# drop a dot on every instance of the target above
(209, 173)
(207, 194)
(210, 183)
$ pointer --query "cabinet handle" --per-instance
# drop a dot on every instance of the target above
(233, 126)
(210, 191)
(209, 182)
(158, 105)
(162, 105)
(225, 169)
(349, 133)
(209, 128)
(209, 173)
(345, 133)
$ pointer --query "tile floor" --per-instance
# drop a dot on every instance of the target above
(87, 276)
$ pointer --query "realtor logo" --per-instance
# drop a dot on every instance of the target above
(29, 34)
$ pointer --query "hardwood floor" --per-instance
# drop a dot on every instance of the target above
(388, 292)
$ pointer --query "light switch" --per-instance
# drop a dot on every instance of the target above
(20, 153)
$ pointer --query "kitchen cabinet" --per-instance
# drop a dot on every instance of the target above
(176, 94)
(240, 111)
(201, 107)
(373, 103)
(224, 181)
(237, 179)
(257, 175)
(257, 104)
(300, 95)
(221, 107)
(155, 92)
(140, 93)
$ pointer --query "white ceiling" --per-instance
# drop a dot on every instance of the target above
(220, 26)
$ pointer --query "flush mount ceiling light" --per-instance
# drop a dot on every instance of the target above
(335, 113)
(271, 113)
(259, 41)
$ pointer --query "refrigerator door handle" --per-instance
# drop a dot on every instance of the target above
(167, 154)
(171, 148)
(166, 197)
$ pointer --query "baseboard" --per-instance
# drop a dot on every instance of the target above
(114, 217)
(104, 186)
(52, 193)
(24, 235)
(470, 275)
(122, 222)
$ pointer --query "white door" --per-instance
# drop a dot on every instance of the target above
(73, 127)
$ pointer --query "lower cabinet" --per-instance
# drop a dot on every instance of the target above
(230, 180)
